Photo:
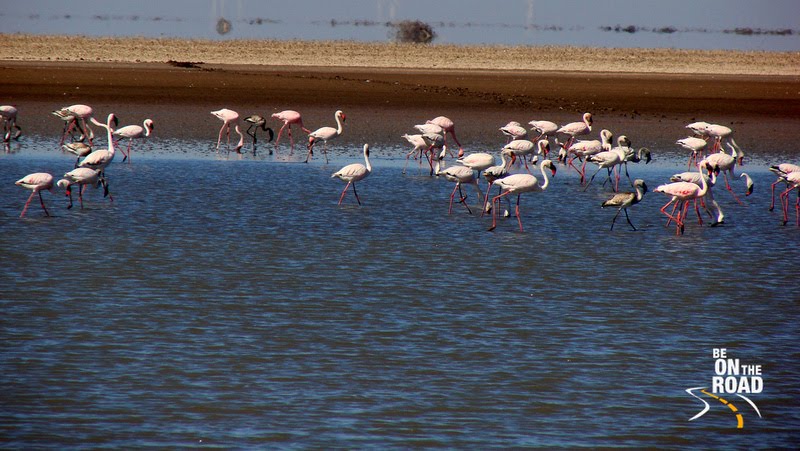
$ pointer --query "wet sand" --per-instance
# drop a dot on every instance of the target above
(386, 88)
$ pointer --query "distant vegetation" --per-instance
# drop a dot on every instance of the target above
(414, 31)
(741, 31)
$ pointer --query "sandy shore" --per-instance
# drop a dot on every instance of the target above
(385, 88)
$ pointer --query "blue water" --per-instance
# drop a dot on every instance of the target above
(683, 24)
(230, 303)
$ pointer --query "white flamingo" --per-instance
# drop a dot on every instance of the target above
(519, 184)
(458, 175)
(695, 145)
(353, 173)
(325, 134)
(132, 132)
(420, 146)
(9, 115)
(781, 170)
(514, 130)
(545, 129)
(574, 129)
(101, 158)
(82, 177)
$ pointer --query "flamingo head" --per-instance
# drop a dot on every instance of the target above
(341, 115)
(588, 118)
(549, 165)
(749, 183)
(150, 124)
(64, 184)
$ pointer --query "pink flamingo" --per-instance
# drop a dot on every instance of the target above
(325, 134)
(478, 161)
(574, 129)
(682, 192)
(448, 126)
(585, 148)
(99, 159)
(696, 145)
(720, 132)
(492, 174)
(519, 184)
(781, 170)
(544, 128)
(420, 145)
(458, 175)
(711, 180)
(722, 162)
(132, 132)
(36, 182)
(514, 131)
(229, 117)
(521, 148)
(289, 117)
(9, 116)
(73, 114)
(82, 177)
(793, 180)
(353, 173)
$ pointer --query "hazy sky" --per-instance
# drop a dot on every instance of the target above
(527, 22)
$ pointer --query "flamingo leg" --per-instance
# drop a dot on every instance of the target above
(80, 196)
(30, 198)
(221, 131)
(772, 204)
(69, 195)
(592, 178)
(486, 199)
(462, 198)
(344, 191)
(356, 194)
(519, 219)
(671, 215)
(797, 209)
(128, 153)
(496, 200)
(42, 202)
(452, 195)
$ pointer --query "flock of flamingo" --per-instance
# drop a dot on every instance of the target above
(430, 144)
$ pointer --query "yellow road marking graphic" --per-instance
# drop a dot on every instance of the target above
(730, 405)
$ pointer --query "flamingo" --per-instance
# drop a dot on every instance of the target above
(491, 174)
(624, 200)
(9, 115)
(478, 161)
(793, 180)
(518, 184)
(458, 175)
(781, 170)
(696, 145)
(720, 132)
(449, 128)
(584, 148)
(257, 121)
(82, 177)
(544, 128)
(574, 129)
(353, 173)
(134, 132)
(722, 162)
(36, 182)
(521, 148)
(430, 128)
(325, 134)
(73, 114)
(708, 198)
(682, 192)
(78, 149)
(420, 145)
(289, 117)
(514, 131)
(101, 158)
(608, 160)
(229, 117)
(434, 141)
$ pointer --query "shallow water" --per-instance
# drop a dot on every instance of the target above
(228, 302)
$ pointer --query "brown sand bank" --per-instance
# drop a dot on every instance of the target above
(386, 88)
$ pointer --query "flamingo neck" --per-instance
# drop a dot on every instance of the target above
(366, 161)
(544, 174)
(110, 131)
(339, 126)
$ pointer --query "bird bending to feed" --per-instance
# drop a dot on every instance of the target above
(793, 180)
(781, 170)
(325, 134)
(478, 161)
(75, 115)
(491, 174)
(134, 132)
(289, 117)
(459, 175)
(574, 129)
(449, 128)
(521, 148)
(36, 182)
(82, 177)
(101, 158)
(514, 130)
(724, 163)
(544, 128)
(258, 122)
(624, 200)
(353, 173)
(682, 192)
(229, 117)
(584, 148)
(519, 184)
(9, 115)
(420, 146)
(709, 204)
(78, 149)
(696, 145)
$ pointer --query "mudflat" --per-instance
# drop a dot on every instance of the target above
(385, 88)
